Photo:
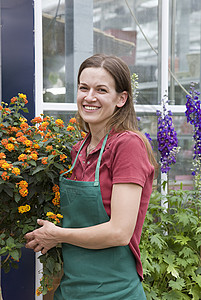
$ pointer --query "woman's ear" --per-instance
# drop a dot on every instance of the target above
(122, 99)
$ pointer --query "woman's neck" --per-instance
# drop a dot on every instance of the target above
(97, 135)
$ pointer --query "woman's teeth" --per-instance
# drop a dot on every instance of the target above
(91, 107)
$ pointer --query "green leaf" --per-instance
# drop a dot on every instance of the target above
(15, 254)
(171, 269)
(10, 242)
(157, 240)
(38, 169)
(179, 284)
(17, 197)
(50, 264)
(25, 109)
(183, 240)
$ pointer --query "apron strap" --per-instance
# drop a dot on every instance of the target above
(96, 182)
(72, 167)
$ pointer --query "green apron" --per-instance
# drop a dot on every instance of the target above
(105, 274)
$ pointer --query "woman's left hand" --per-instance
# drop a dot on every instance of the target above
(42, 239)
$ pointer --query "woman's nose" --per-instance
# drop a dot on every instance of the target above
(90, 96)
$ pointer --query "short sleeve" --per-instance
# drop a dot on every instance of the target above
(130, 160)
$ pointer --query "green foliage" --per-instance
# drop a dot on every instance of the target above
(31, 159)
(170, 246)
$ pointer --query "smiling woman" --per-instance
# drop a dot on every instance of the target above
(106, 198)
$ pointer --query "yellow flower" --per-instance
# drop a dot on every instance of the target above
(59, 122)
(24, 208)
(16, 171)
(22, 157)
(70, 128)
(28, 143)
(33, 156)
(6, 166)
(39, 291)
(10, 147)
(49, 214)
(23, 96)
(60, 216)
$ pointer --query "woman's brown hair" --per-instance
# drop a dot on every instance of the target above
(123, 118)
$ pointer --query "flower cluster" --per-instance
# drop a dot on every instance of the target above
(193, 114)
(31, 159)
(166, 137)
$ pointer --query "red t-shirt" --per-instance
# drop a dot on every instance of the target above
(124, 160)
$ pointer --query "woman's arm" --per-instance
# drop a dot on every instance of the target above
(116, 232)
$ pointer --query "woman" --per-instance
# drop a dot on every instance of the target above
(105, 201)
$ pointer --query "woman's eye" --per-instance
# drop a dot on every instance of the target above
(102, 90)
(83, 88)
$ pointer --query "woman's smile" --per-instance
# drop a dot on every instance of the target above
(97, 98)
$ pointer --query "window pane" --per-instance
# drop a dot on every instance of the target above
(53, 20)
(116, 32)
(185, 45)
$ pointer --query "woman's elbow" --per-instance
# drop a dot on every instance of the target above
(123, 238)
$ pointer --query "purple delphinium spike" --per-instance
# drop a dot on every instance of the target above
(166, 137)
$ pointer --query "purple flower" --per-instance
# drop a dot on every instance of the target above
(149, 138)
(167, 138)
(193, 115)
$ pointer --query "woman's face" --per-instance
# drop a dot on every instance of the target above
(97, 97)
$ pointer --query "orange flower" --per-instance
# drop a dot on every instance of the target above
(28, 143)
(83, 134)
(6, 166)
(44, 160)
(73, 120)
(33, 156)
(38, 291)
(13, 100)
(23, 192)
(7, 111)
(46, 119)
(70, 128)
(55, 188)
(54, 152)
(63, 157)
(36, 120)
(10, 147)
(19, 133)
(59, 123)
(1, 107)
(48, 148)
(23, 184)
(13, 129)
(2, 155)
(36, 146)
(2, 161)
(4, 142)
(22, 157)
(16, 171)
(24, 126)
(43, 126)
(21, 139)
(24, 97)
(5, 176)
(12, 139)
